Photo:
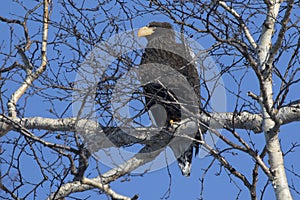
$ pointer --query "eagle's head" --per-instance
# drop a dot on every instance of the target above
(157, 30)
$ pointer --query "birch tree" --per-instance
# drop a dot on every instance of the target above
(45, 45)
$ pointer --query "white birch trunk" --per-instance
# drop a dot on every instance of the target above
(279, 180)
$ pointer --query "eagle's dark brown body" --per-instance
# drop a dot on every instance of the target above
(170, 80)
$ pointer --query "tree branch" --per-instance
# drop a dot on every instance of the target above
(243, 120)
(105, 188)
(138, 160)
(242, 23)
(281, 33)
(31, 77)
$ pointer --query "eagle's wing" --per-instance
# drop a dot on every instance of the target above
(186, 83)
(183, 147)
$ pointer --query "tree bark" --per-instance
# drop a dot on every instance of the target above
(269, 125)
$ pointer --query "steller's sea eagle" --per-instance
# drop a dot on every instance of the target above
(163, 103)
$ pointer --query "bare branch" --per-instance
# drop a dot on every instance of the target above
(242, 24)
(243, 120)
(105, 188)
(112, 175)
(284, 23)
(31, 77)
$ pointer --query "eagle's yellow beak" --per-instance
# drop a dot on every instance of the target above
(145, 31)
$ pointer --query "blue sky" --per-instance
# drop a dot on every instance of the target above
(218, 183)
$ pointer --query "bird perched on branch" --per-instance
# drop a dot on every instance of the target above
(171, 86)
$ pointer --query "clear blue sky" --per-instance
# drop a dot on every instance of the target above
(155, 185)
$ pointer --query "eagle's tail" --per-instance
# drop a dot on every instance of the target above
(183, 151)
(185, 161)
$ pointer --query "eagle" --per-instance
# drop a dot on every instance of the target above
(171, 86)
